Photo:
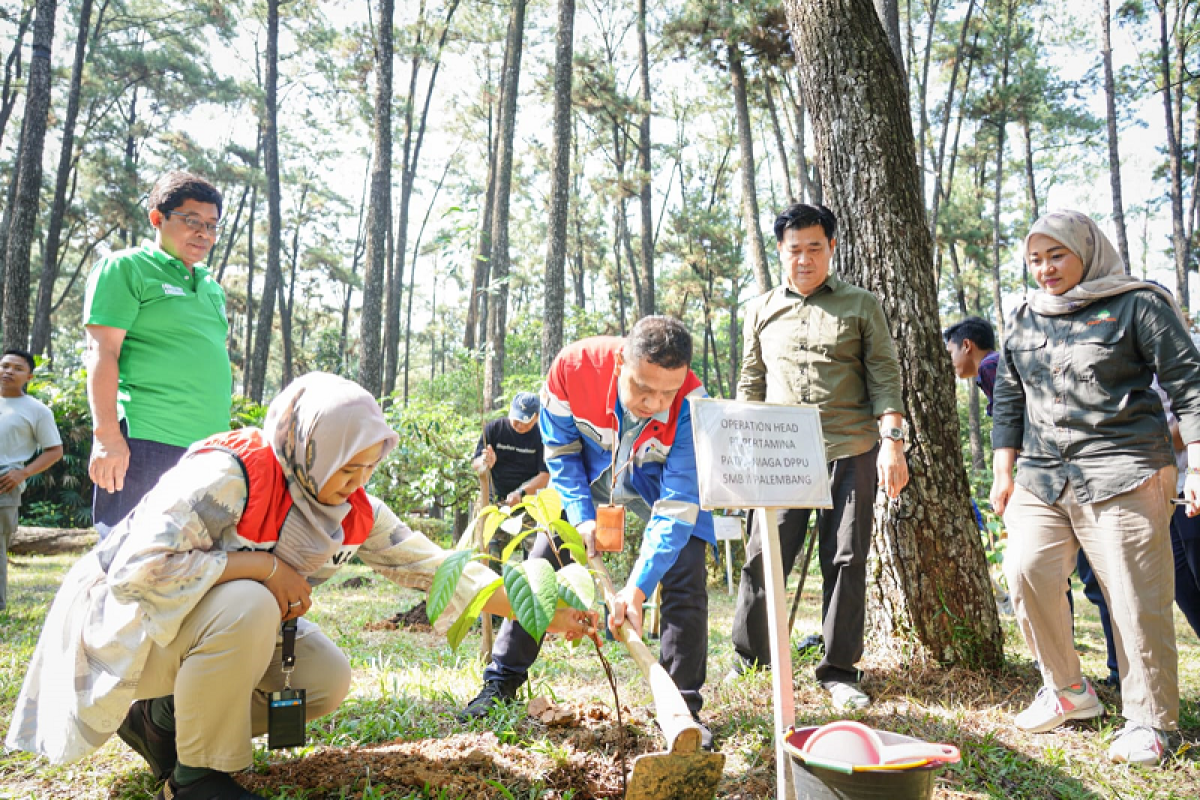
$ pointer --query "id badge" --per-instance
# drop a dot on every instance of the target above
(285, 719)
(610, 529)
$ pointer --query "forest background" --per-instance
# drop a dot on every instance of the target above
(423, 198)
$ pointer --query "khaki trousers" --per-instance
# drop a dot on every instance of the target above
(224, 663)
(1127, 540)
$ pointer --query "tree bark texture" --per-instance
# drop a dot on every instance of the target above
(929, 577)
(1114, 152)
(58, 209)
(493, 383)
(754, 237)
(274, 274)
(554, 297)
(889, 16)
(29, 181)
(646, 301)
(379, 213)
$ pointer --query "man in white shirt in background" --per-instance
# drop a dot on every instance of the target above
(26, 426)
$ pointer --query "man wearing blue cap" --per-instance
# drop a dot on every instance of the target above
(512, 449)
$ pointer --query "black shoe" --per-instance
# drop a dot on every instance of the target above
(493, 694)
(811, 646)
(1113, 681)
(148, 740)
(706, 740)
(217, 786)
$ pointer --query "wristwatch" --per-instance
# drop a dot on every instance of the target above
(895, 434)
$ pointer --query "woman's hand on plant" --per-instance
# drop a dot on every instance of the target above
(627, 609)
(291, 591)
(573, 623)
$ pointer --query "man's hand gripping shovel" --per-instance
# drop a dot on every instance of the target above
(684, 772)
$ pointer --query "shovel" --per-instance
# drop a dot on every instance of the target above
(684, 772)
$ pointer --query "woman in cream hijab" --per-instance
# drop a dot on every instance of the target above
(1077, 415)
(168, 632)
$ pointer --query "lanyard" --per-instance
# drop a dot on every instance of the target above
(289, 652)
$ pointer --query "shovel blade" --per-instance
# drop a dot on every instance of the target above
(676, 776)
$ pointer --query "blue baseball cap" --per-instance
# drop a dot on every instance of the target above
(525, 406)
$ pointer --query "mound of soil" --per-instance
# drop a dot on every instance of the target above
(415, 619)
(474, 765)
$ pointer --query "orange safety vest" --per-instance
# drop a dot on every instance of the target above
(267, 498)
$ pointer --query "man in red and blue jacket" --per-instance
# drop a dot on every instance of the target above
(613, 405)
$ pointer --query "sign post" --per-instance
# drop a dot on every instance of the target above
(728, 529)
(767, 457)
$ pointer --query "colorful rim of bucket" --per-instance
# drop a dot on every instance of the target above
(846, 767)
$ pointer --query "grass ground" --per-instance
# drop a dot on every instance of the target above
(397, 732)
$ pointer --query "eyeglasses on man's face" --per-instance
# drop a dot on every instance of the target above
(197, 225)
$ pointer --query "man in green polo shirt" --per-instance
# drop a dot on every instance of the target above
(818, 340)
(159, 377)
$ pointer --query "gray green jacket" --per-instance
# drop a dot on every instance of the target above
(1074, 395)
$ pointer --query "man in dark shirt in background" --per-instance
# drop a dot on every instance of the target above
(972, 346)
(511, 448)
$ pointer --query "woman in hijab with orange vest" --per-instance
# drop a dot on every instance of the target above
(167, 633)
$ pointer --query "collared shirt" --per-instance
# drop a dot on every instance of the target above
(986, 379)
(175, 382)
(1074, 394)
(831, 349)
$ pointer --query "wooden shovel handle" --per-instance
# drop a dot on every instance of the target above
(674, 717)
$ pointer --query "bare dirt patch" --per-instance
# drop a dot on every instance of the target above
(415, 619)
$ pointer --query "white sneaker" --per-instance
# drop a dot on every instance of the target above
(1138, 744)
(1051, 709)
(846, 695)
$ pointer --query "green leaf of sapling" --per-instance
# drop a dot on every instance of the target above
(576, 587)
(445, 581)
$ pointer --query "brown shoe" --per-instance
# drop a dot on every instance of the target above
(148, 740)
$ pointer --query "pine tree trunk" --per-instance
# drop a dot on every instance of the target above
(1174, 157)
(777, 129)
(287, 304)
(758, 252)
(930, 582)
(274, 274)
(481, 260)
(29, 181)
(248, 343)
(998, 176)
(58, 209)
(947, 108)
(12, 71)
(554, 297)
(1114, 152)
(498, 303)
(1030, 177)
(411, 156)
(379, 215)
(646, 300)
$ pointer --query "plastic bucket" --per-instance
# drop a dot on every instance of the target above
(815, 782)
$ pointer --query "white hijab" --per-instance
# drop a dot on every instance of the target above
(314, 426)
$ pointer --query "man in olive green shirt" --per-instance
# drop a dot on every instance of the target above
(159, 376)
(818, 340)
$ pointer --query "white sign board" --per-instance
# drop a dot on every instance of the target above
(728, 528)
(759, 455)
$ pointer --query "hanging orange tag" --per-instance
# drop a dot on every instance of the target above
(610, 529)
